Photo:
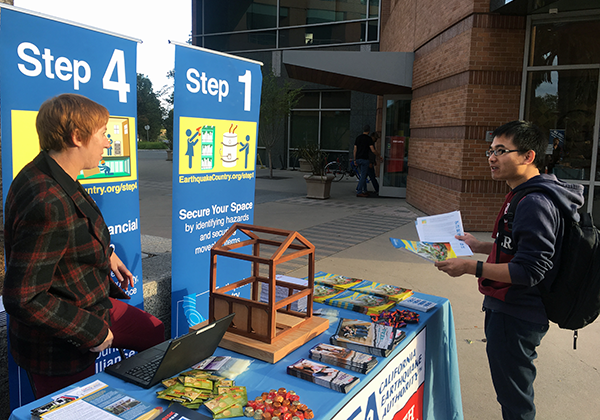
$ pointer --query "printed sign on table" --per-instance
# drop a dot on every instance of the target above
(396, 392)
(42, 57)
(217, 104)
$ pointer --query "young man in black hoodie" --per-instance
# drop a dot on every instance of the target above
(515, 318)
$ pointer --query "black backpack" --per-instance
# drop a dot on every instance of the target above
(573, 300)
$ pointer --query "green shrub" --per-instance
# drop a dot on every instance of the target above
(152, 145)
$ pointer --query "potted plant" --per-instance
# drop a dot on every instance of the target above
(318, 183)
(170, 150)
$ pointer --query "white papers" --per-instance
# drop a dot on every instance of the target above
(443, 228)
(78, 410)
(283, 292)
(212, 363)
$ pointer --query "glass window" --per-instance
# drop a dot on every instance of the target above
(308, 100)
(335, 99)
(229, 16)
(306, 12)
(563, 43)
(304, 128)
(373, 8)
(321, 35)
(397, 132)
(241, 41)
(596, 204)
(327, 123)
(335, 130)
(563, 104)
(373, 34)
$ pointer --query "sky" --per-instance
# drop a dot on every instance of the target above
(155, 22)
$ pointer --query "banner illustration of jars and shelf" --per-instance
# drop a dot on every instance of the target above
(212, 146)
(42, 57)
(217, 103)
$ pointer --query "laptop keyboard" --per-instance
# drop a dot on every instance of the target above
(145, 372)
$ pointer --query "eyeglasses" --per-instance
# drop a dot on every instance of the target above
(498, 152)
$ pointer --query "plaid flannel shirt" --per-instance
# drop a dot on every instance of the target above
(57, 282)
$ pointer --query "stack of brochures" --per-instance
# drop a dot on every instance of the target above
(394, 293)
(343, 357)
(335, 280)
(322, 375)
(358, 295)
(323, 292)
(360, 302)
(367, 337)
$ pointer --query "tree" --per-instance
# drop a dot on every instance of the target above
(276, 103)
(167, 95)
(149, 110)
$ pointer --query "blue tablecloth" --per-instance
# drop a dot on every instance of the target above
(441, 393)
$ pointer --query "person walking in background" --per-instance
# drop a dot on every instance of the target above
(519, 260)
(58, 289)
(362, 145)
(374, 158)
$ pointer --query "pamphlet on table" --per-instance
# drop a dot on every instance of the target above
(418, 304)
(95, 401)
(367, 337)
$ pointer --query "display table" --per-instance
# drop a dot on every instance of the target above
(391, 382)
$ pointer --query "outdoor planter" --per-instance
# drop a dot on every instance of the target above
(304, 165)
(318, 186)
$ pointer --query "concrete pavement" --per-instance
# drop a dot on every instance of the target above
(352, 238)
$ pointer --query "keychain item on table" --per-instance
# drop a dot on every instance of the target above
(397, 318)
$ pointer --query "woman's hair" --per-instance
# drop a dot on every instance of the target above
(67, 114)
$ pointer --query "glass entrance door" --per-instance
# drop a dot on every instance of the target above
(394, 146)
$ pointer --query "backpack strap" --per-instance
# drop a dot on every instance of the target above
(509, 216)
(514, 202)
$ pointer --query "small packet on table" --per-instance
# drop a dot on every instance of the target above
(233, 368)
(235, 410)
(220, 403)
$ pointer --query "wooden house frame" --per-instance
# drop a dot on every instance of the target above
(271, 321)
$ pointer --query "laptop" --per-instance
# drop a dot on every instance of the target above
(170, 357)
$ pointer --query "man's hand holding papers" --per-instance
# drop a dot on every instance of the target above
(441, 237)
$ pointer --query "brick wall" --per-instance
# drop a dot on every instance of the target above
(397, 25)
(466, 81)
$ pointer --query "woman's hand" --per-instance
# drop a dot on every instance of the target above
(121, 272)
(106, 343)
